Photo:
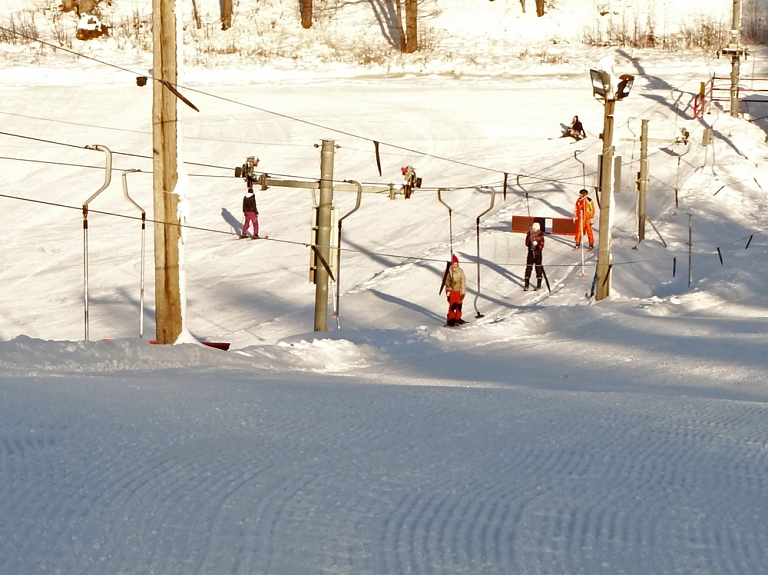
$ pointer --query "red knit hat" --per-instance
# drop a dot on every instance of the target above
(454, 259)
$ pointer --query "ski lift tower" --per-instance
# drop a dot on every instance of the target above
(735, 50)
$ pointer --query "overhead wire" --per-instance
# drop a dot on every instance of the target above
(285, 116)
(309, 245)
(142, 132)
(307, 178)
(296, 119)
(253, 107)
(282, 115)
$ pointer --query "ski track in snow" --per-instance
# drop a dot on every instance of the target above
(319, 476)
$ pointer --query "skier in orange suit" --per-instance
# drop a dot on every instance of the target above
(582, 216)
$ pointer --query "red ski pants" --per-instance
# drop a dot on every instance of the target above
(454, 305)
(251, 217)
(584, 226)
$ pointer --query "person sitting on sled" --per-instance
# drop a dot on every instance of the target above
(576, 130)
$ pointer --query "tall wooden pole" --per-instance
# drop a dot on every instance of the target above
(603, 288)
(324, 234)
(642, 184)
(168, 305)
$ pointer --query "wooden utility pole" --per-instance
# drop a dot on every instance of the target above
(603, 287)
(168, 305)
(323, 241)
(642, 181)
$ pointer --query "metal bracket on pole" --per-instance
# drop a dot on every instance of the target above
(172, 89)
(143, 244)
(647, 219)
(450, 219)
(477, 231)
(325, 264)
(107, 180)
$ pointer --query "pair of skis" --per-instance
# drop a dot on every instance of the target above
(546, 281)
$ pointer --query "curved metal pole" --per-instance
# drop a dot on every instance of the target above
(527, 203)
(584, 171)
(107, 179)
(679, 159)
(338, 247)
(450, 219)
(583, 167)
(143, 243)
(477, 230)
(712, 144)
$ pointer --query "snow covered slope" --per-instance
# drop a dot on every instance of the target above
(551, 435)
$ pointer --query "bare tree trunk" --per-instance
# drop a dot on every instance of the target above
(411, 31)
(306, 14)
(226, 14)
(400, 31)
(196, 15)
(539, 8)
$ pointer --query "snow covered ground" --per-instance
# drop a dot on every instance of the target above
(552, 435)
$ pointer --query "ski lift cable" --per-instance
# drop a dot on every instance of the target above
(308, 178)
(308, 245)
(348, 250)
(175, 87)
(277, 113)
(142, 132)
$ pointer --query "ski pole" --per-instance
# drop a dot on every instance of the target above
(546, 279)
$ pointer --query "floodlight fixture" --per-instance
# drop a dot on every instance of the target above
(625, 86)
(601, 83)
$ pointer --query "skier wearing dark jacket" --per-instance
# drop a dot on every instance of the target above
(534, 241)
(251, 214)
